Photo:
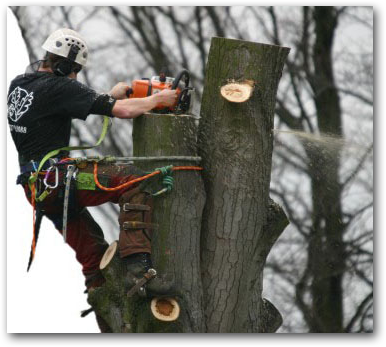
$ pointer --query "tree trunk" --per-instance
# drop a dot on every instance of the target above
(235, 142)
(175, 243)
(326, 250)
(240, 223)
(22, 21)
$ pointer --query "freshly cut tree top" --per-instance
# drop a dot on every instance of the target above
(237, 91)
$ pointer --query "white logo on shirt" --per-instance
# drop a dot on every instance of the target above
(19, 101)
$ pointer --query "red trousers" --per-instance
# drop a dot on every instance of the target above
(84, 235)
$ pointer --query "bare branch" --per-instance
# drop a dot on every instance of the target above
(359, 312)
(358, 167)
(215, 20)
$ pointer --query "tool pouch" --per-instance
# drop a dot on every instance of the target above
(135, 222)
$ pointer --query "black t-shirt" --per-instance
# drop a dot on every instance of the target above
(41, 106)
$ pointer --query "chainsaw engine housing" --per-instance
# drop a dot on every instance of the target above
(146, 87)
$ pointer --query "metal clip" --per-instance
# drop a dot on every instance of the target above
(70, 173)
(56, 176)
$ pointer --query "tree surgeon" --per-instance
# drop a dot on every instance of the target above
(41, 106)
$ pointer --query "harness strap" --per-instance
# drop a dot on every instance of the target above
(70, 173)
(105, 128)
(135, 207)
(128, 225)
(37, 222)
(32, 167)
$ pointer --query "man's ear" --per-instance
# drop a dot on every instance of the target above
(73, 75)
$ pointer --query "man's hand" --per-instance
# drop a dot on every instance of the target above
(134, 107)
(166, 97)
(118, 92)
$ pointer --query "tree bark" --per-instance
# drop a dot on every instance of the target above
(19, 12)
(240, 223)
(235, 142)
(175, 243)
(326, 249)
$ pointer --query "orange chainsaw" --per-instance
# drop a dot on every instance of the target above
(146, 87)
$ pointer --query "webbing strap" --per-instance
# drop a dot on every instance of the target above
(138, 225)
(102, 136)
(135, 207)
(70, 173)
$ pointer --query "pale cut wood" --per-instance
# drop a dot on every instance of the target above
(165, 309)
(237, 91)
(109, 254)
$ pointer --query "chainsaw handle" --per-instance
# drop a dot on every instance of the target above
(129, 91)
(179, 77)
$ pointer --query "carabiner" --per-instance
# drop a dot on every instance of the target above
(56, 177)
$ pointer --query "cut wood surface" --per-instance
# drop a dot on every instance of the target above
(109, 254)
(165, 309)
(237, 91)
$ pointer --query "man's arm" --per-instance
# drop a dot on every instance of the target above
(132, 108)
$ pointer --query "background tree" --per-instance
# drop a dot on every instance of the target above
(321, 267)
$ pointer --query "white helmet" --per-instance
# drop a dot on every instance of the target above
(69, 44)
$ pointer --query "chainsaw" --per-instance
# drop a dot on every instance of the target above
(146, 87)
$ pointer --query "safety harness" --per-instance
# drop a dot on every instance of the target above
(34, 176)
(85, 180)
(37, 213)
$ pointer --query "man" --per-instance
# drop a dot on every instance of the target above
(41, 106)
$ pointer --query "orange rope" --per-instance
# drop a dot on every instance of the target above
(124, 185)
(139, 179)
